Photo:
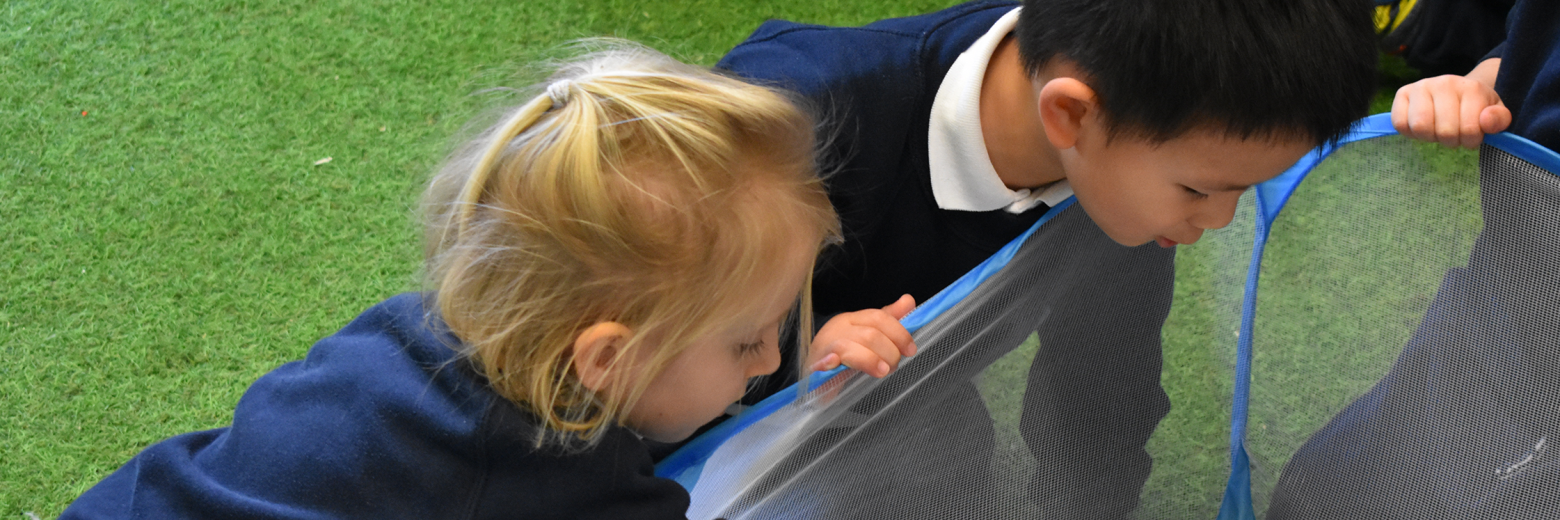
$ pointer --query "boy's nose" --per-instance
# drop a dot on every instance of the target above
(1218, 214)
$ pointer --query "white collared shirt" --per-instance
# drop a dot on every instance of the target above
(962, 175)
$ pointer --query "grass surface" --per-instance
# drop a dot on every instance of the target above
(1350, 270)
(166, 235)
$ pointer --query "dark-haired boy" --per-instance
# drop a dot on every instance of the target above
(954, 131)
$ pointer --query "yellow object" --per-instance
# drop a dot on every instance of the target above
(1387, 20)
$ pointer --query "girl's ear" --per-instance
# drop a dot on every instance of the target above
(595, 350)
(1067, 106)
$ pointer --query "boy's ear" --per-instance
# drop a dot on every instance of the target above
(595, 349)
(1067, 105)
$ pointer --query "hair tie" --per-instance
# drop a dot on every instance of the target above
(558, 91)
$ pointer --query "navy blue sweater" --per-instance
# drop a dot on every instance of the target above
(1093, 399)
(874, 87)
(1529, 78)
(381, 420)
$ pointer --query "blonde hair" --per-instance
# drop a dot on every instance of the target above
(633, 189)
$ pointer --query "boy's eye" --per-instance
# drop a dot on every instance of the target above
(1196, 193)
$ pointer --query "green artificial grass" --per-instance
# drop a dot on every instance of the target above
(169, 229)
(165, 234)
(1345, 286)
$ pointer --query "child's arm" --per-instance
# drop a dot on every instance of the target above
(871, 340)
(1452, 110)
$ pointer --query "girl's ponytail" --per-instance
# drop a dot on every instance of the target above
(523, 118)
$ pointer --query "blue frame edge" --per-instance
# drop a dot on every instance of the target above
(687, 463)
(1526, 150)
(1272, 196)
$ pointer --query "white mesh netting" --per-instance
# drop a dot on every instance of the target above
(1407, 332)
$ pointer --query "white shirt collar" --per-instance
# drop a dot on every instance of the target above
(962, 175)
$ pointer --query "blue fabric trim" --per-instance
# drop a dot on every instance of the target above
(1276, 191)
(1237, 494)
(1237, 491)
(687, 463)
(1248, 314)
(956, 291)
(1526, 150)
(1271, 196)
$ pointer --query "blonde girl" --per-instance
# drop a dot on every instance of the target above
(612, 261)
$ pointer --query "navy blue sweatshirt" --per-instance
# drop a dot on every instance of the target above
(874, 87)
(1529, 78)
(381, 420)
(1094, 398)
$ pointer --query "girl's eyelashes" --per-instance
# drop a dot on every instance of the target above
(1194, 193)
(750, 348)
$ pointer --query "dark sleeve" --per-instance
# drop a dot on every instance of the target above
(1498, 51)
(1529, 78)
(379, 421)
(354, 430)
(863, 100)
(613, 480)
(782, 54)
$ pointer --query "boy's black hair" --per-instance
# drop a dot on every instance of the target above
(1248, 68)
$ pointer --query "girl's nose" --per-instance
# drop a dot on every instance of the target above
(767, 361)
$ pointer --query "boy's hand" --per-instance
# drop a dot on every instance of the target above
(1452, 110)
(871, 340)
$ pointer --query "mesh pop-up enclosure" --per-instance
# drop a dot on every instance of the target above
(1378, 341)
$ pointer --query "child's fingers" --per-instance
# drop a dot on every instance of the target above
(828, 362)
(859, 357)
(1400, 110)
(886, 348)
(1448, 107)
(1421, 117)
(901, 307)
(876, 341)
(1470, 133)
(862, 347)
(885, 324)
(897, 333)
(1454, 111)
(1495, 118)
(893, 351)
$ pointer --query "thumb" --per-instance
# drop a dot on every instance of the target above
(1494, 118)
(900, 307)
